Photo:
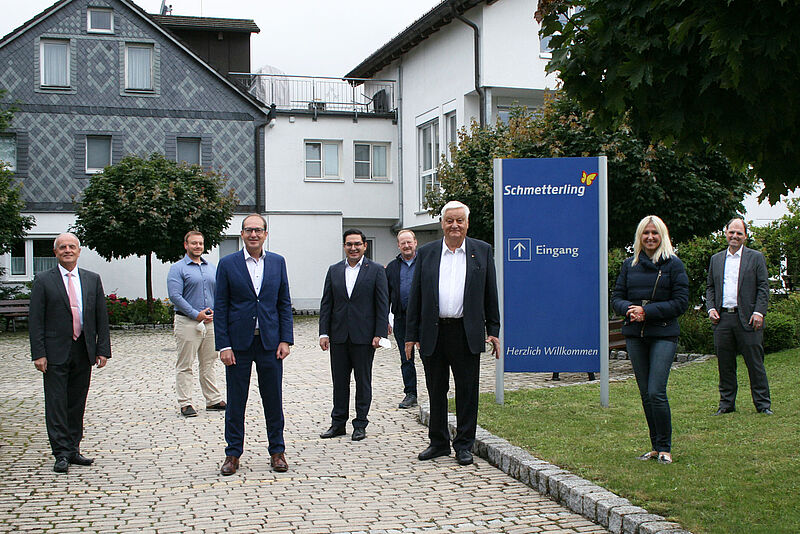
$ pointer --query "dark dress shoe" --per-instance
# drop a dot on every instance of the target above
(765, 411)
(218, 406)
(79, 459)
(725, 410)
(332, 432)
(230, 465)
(278, 463)
(61, 465)
(188, 411)
(433, 452)
(464, 457)
(409, 401)
(359, 434)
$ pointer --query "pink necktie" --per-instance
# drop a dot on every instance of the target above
(73, 304)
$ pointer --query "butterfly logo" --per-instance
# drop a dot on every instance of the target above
(588, 178)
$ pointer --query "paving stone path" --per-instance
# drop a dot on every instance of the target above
(158, 472)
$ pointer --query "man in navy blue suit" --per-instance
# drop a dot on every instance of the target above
(253, 323)
(353, 316)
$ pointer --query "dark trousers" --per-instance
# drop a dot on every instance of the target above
(347, 358)
(65, 388)
(452, 352)
(270, 378)
(407, 367)
(651, 359)
(729, 340)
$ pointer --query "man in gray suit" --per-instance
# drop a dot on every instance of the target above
(737, 292)
(68, 326)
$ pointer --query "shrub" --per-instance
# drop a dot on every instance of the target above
(696, 334)
(780, 332)
(124, 311)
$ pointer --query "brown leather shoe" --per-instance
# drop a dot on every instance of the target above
(278, 462)
(230, 465)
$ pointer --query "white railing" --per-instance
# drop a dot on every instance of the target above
(320, 94)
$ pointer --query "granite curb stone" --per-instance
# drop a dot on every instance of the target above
(583, 497)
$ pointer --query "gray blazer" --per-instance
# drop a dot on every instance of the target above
(50, 317)
(753, 293)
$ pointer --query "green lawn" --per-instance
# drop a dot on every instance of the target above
(736, 473)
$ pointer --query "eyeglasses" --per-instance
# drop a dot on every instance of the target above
(353, 245)
(257, 231)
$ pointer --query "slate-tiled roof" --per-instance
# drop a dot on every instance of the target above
(177, 22)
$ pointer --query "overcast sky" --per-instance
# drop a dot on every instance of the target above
(304, 37)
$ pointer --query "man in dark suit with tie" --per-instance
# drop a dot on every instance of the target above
(353, 317)
(253, 324)
(68, 327)
(737, 293)
(453, 302)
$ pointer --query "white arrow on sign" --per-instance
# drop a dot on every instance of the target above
(519, 247)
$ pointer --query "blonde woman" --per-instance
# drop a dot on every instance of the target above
(652, 291)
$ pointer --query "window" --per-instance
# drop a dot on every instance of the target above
(99, 20)
(504, 114)
(544, 42)
(322, 160)
(371, 161)
(43, 257)
(139, 67)
(8, 151)
(54, 61)
(18, 258)
(370, 252)
(229, 245)
(452, 132)
(428, 158)
(98, 153)
(188, 150)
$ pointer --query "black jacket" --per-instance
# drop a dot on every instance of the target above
(670, 300)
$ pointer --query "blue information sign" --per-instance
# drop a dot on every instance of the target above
(550, 229)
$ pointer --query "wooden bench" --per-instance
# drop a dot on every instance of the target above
(11, 310)
(616, 341)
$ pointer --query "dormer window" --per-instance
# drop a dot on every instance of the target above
(99, 20)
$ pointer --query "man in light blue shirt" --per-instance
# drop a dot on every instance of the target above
(191, 284)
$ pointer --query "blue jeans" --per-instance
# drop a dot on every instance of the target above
(407, 368)
(652, 358)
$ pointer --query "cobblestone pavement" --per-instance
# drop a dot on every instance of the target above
(158, 472)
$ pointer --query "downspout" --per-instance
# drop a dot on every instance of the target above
(259, 126)
(399, 226)
(477, 47)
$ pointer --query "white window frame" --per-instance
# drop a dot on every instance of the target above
(323, 160)
(371, 162)
(186, 138)
(91, 29)
(11, 165)
(149, 47)
(95, 170)
(451, 132)
(50, 260)
(428, 175)
(61, 42)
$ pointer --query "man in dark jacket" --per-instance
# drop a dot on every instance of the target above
(353, 317)
(737, 292)
(399, 274)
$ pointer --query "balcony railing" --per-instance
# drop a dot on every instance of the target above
(321, 94)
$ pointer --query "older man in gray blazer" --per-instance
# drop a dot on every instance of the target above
(737, 292)
(68, 327)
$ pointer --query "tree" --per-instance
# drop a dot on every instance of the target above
(13, 225)
(694, 193)
(697, 72)
(143, 207)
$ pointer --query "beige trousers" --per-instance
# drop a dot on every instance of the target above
(192, 342)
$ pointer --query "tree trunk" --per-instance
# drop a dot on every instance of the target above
(149, 281)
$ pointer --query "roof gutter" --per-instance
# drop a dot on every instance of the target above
(477, 47)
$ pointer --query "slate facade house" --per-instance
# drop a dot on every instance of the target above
(95, 80)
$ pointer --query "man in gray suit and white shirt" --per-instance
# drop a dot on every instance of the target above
(737, 292)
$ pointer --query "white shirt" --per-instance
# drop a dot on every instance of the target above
(452, 277)
(351, 275)
(76, 281)
(256, 269)
(730, 279)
